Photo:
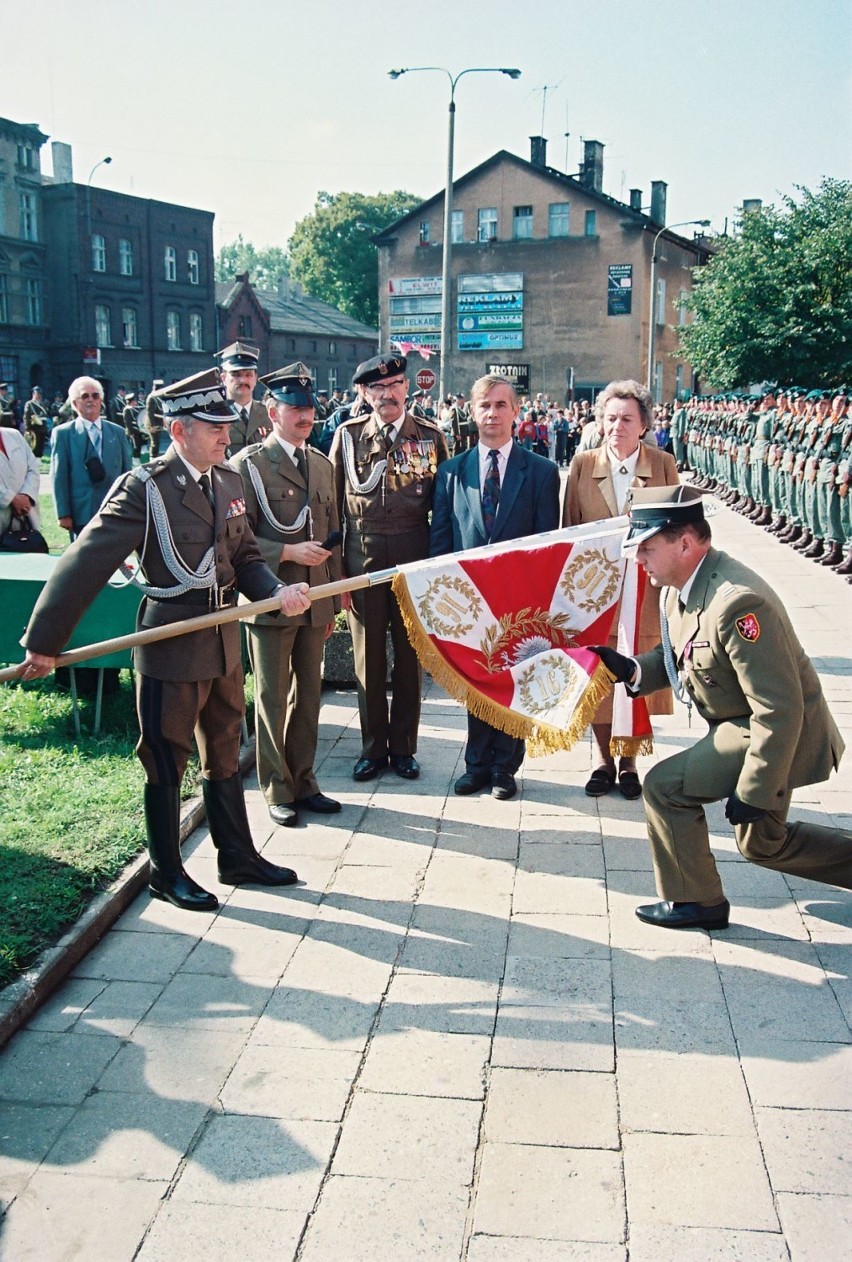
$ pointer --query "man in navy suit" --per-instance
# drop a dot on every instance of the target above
(495, 491)
(87, 454)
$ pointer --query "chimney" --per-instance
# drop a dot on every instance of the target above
(658, 201)
(63, 172)
(538, 151)
(751, 204)
(283, 289)
(636, 199)
(591, 175)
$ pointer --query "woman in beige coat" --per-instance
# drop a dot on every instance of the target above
(598, 487)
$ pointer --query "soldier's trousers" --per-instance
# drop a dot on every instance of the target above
(385, 729)
(171, 711)
(684, 866)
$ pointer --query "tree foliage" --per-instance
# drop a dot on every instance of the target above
(332, 253)
(264, 266)
(775, 302)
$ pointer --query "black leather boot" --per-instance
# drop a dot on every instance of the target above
(834, 555)
(167, 879)
(239, 862)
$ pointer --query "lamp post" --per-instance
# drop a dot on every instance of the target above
(652, 321)
(100, 163)
(446, 274)
(89, 255)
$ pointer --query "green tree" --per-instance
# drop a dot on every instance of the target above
(775, 302)
(332, 253)
(264, 266)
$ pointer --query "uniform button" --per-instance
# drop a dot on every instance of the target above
(220, 557)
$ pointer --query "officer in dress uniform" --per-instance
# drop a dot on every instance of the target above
(730, 649)
(238, 370)
(154, 422)
(36, 427)
(184, 516)
(384, 467)
(292, 509)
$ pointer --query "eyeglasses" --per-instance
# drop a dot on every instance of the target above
(90, 396)
(375, 387)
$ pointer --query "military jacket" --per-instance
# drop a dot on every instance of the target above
(252, 430)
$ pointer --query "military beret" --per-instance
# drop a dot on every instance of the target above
(199, 398)
(379, 367)
(292, 385)
(238, 356)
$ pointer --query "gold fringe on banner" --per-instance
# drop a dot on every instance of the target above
(631, 746)
(542, 738)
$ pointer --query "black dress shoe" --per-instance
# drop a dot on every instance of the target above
(369, 768)
(629, 784)
(319, 804)
(685, 915)
(284, 813)
(471, 782)
(252, 869)
(181, 891)
(600, 782)
(503, 785)
(405, 765)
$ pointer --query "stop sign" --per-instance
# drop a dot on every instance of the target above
(425, 379)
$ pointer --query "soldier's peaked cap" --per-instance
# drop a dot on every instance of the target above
(200, 397)
(292, 385)
(378, 368)
(655, 507)
(239, 355)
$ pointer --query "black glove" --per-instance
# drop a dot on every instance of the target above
(739, 812)
(624, 668)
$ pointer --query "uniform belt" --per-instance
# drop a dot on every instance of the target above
(200, 600)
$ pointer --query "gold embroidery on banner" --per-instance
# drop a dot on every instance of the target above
(552, 627)
(591, 581)
(450, 607)
(546, 683)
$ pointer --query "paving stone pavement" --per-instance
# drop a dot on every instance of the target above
(454, 1040)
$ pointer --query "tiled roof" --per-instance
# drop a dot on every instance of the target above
(299, 314)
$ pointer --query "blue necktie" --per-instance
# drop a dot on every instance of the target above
(491, 493)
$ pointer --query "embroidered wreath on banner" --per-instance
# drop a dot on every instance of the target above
(553, 677)
(587, 571)
(524, 626)
(440, 599)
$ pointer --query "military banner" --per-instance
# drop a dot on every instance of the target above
(504, 630)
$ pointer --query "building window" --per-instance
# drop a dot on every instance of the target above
(170, 263)
(353, 351)
(679, 392)
(129, 327)
(292, 343)
(332, 380)
(332, 348)
(591, 225)
(173, 330)
(457, 227)
(661, 301)
(522, 223)
(313, 348)
(103, 332)
(196, 332)
(658, 381)
(487, 223)
(26, 157)
(557, 219)
(33, 297)
(192, 266)
(125, 257)
(98, 253)
(4, 298)
(28, 218)
(681, 307)
(424, 231)
(244, 326)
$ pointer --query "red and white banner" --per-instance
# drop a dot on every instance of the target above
(503, 629)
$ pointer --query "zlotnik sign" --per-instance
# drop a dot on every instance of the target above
(518, 374)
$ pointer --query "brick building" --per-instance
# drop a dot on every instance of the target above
(551, 278)
(132, 293)
(286, 324)
(23, 262)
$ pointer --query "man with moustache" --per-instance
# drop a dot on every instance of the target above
(292, 509)
(238, 371)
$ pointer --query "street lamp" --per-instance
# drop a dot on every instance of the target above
(652, 325)
(100, 163)
(446, 276)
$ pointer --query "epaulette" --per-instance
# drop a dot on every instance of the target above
(355, 420)
(252, 447)
(424, 420)
(316, 451)
(145, 471)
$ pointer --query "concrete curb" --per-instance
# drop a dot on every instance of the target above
(21, 998)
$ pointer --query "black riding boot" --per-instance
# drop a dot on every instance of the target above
(239, 862)
(167, 878)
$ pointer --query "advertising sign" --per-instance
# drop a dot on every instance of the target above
(492, 320)
(490, 282)
(491, 341)
(414, 285)
(507, 300)
(518, 374)
(619, 292)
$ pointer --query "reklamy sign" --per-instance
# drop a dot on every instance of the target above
(518, 374)
(619, 291)
(508, 300)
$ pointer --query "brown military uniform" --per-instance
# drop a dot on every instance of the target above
(385, 527)
(154, 423)
(250, 428)
(286, 653)
(192, 682)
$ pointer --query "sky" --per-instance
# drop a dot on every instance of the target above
(250, 109)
